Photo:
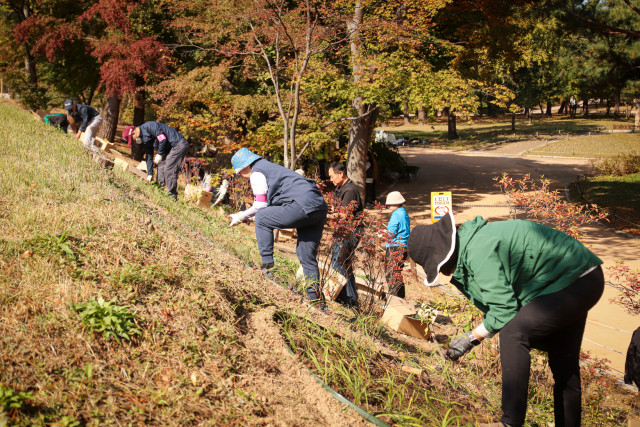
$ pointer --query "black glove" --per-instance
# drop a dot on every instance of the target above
(461, 345)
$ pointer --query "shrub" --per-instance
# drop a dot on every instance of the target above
(622, 164)
(535, 199)
(626, 281)
(106, 317)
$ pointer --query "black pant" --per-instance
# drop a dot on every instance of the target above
(554, 323)
(394, 259)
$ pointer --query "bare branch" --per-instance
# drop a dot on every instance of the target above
(604, 27)
(349, 118)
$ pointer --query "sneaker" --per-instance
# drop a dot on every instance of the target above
(266, 270)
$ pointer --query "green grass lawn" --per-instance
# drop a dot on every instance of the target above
(483, 131)
(597, 145)
(620, 195)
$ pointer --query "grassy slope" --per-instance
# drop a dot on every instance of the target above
(130, 242)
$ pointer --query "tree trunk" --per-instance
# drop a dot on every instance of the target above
(360, 131)
(585, 107)
(491, 109)
(137, 150)
(608, 107)
(563, 106)
(513, 122)
(549, 109)
(138, 102)
(30, 67)
(405, 113)
(452, 132)
(421, 115)
(480, 107)
(111, 115)
(360, 128)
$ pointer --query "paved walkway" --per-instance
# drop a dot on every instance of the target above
(469, 176)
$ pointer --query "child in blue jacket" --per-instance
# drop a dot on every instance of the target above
(398, 229)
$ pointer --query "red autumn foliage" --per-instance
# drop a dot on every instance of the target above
(537, 200)
(627, 282)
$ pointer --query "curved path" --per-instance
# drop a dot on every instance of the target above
(469, 176)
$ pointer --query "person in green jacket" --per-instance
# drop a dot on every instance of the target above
(534, 285)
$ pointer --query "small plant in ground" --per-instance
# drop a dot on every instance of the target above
(107, 318)
(596, 386)
(13, 401)
(57, 244)
(627, 281)
(535, 199)
(426, 313)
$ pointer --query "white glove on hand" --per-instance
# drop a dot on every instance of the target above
(149, 178)
(157, 159)
(235, 219)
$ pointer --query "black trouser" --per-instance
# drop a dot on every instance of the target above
(394, 259)
(169, 168)
(554, 323)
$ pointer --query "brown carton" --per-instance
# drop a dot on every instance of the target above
(397, 316)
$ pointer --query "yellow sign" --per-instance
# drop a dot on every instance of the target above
(440, 204)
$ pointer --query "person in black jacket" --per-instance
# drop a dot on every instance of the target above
(89, 120)
(347, 193)
(172, 148)
(58, 121)
(632, 363)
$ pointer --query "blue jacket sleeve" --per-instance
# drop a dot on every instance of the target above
(392, 229)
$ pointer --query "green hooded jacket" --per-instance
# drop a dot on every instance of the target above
(503, 265)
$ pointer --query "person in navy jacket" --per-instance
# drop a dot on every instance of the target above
(88, 119)
(283, 199)
(172, 148)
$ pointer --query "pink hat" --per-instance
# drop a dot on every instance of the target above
(127, 134)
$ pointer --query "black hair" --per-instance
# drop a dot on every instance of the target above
(338, 167)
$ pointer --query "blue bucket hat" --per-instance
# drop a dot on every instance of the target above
(243, 158)
(68, 104)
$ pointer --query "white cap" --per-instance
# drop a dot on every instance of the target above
(395, 198)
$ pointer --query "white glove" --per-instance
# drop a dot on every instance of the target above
(157, 159)
(235, 219)
(149, 178)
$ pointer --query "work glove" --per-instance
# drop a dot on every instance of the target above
(461, 345)
(157, 159)
(149, 178)
(235, 219)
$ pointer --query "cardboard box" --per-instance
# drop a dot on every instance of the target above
(104, 145)
(397, 316)
(191, 192)
(378, 288)
(120, 163)
(333, 281)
